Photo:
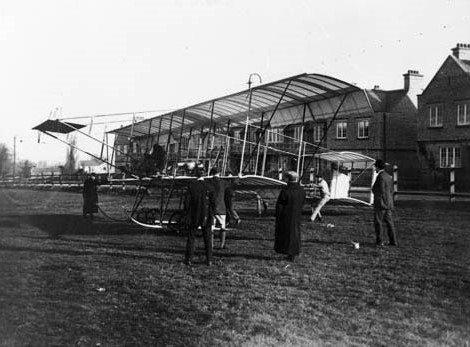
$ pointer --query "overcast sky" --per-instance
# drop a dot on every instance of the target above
(92, 57)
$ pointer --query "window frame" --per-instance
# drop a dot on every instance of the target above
(465, 113)
(342, 129)
(365, 129)
(318, 132)
(450, 157)
(275, 135)
(436, 115)
(237, 135)
(298, 132)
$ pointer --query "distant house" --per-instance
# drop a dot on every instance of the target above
(96, 166)
(444, 122)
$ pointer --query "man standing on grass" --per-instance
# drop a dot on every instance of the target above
(383, 204)
(196, 205)
(218, 209)
(232, 216)
(90, 196)
(288, 214)
(324, 197)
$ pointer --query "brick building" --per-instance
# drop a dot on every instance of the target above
(444, 123)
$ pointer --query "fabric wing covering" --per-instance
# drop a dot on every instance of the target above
(282, 96)
(57, 126)
(345, 157)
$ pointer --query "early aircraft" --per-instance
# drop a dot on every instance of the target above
(255, 135)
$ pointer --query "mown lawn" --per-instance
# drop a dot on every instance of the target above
(67, 282)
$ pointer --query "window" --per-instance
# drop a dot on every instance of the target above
(237, 135)
(125, 149)
(184, 142)
(463, 114)
(133, 147)
(435, 115)
(275, 135)
(318, 133)
(297, 133)
(362, 128)
(341, 129)
(450, 156)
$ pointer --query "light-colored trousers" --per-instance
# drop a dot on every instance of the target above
(318, 207)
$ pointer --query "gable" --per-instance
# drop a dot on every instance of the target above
(452, 72)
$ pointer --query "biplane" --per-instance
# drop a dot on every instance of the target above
(254, 136)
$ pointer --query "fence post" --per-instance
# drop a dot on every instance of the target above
(395, 182)
(452, 185)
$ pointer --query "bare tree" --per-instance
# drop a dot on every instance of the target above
(71, 158)
(5, 160)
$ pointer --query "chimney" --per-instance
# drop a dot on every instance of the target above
(413, 81)
(413, 85)
(462, 51)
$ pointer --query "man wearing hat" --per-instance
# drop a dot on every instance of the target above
(383, 204)
(288, 214)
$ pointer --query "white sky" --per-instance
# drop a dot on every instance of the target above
(91, 57)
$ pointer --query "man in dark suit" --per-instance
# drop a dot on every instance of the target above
(196, 204)
(383, 204)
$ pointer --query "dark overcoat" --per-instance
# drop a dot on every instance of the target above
(218, 202)
(383, 192)
(196, 203)
(90, 196)
(288, 214)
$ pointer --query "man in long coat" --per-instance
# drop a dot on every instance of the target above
(383, 204)
(288, 214)
(196, 204)
(90, 196)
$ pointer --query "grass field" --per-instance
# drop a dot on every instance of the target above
(67, 282)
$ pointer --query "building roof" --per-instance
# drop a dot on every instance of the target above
(263, 99)
(463, 64)
(390, 100)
